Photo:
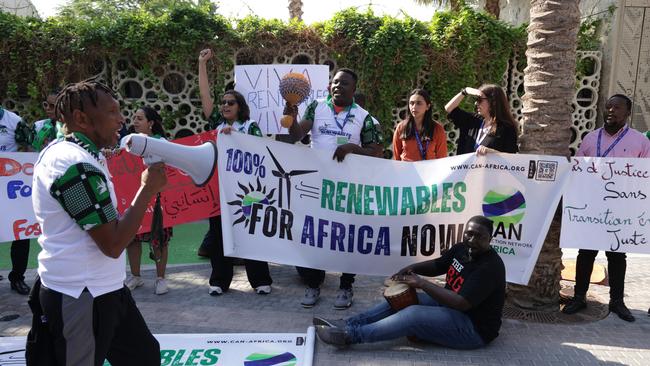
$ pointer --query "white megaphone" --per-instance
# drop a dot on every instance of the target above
(198, 162)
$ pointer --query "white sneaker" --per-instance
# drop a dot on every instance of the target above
(215, 291)
(343, 299)
(161, 286)
(133, 281)
(263, 290)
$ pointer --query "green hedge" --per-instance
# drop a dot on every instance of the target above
(452, 50)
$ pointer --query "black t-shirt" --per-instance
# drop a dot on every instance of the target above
(482, 282)
(504, 139)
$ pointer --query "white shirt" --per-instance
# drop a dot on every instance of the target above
(70, 260)
(8, 123)
(326, 134)
(237, 126)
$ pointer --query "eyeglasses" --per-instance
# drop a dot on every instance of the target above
(229, 102)
(480, 99)
(47, 105)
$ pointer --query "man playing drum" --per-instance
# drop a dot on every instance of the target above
(465, 314)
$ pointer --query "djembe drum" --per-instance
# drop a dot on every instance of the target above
(294, 88)
(400, 295)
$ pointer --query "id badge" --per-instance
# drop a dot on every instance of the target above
(341, 140)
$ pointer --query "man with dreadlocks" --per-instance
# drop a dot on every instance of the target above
(89, 314)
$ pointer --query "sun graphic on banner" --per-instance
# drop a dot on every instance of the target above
(247, 198)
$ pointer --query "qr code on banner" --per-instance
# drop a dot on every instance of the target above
(546, 170)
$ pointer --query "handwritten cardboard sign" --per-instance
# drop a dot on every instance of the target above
(607, 205)
(181, 200)
(259, 84)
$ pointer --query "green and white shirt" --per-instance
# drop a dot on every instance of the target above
(249, 127)
(352, 125)
(72, 193)
(46, 131)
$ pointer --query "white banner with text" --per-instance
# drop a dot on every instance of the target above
(606, 206)
(254, 349)
(294, 205)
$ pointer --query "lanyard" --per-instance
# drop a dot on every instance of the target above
(347, 116)
(480, 138)
(241, 128)
(423, 151)
(618, 139)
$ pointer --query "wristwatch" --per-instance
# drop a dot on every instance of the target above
(463, 92)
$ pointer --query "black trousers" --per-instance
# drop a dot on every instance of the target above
(315, 277)
(19, 256)
(616, 266)
(222, 267)
(87, 330)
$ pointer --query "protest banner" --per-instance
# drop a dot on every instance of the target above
(294, 205)
(17, 220)
(253, 349)
(181, 200)
(259, 84)
(606, 205)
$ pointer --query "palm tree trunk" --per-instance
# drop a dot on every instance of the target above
(549, 84)
(493, 7)
(456, 5)
(295, 9)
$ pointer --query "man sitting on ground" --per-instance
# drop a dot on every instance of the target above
(465, 314)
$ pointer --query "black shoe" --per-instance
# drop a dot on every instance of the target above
(618, 307)
(334, 336)
(574, 305)
(1, 278)
(20, 287)
(203, 252)
(338, 323)
(8, 318)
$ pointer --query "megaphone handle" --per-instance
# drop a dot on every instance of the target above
(151, 159)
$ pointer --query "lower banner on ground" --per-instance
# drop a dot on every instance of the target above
(613, 214)
(263, 349)
(293, 205)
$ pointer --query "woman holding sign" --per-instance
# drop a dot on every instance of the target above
(419, 137)
(233, 115)
(491, 129)
(147, 121)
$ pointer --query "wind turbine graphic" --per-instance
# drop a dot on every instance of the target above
(282, 174)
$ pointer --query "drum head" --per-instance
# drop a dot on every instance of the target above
(396, 289)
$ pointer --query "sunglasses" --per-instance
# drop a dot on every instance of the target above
(229, 102)
(47, 105)
(480, 99)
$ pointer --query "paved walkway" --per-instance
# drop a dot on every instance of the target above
(189, 308)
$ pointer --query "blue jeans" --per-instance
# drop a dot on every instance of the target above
(428, 321)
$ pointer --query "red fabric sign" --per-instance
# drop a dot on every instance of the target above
(181, 200)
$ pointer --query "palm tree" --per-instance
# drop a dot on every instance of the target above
(454, 5)
(549, 84)
(295, 9)
(491, 6)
